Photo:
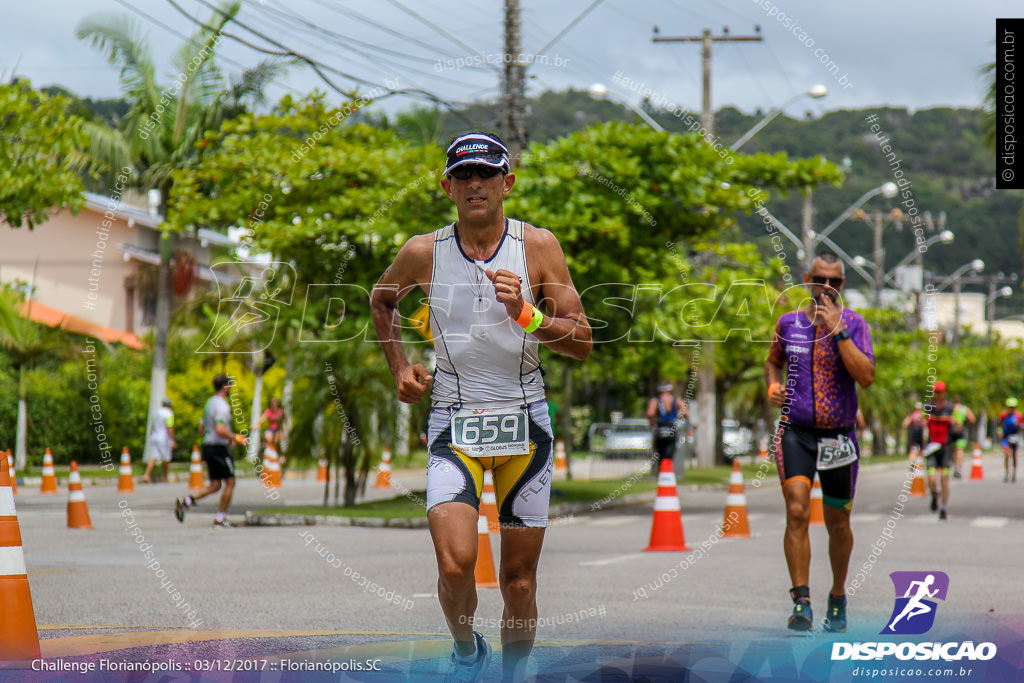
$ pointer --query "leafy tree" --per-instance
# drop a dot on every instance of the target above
(26, 343)
(334, 200)
(38, 139)
(629, 205)
(164, 125)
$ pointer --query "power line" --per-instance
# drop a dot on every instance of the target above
(318, 67)
(386, 29)
(294, 17)
(440, 30)
(568, 28)
(374, 61)
(157, 22)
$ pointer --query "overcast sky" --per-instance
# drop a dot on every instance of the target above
(912, 53)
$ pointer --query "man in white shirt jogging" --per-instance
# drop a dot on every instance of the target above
(482, 276)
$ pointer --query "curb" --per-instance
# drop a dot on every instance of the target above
(555, 513)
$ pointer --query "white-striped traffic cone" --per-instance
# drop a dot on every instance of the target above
(49, 484)
(19, 639)
(817, 504)
(736, 523)
(667, 526)
(195, 470)
(489, 503)
(78, 510)
(124, 480)
(384, 471)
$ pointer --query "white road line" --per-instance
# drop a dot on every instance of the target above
(932, 518)
(610, 560)
(868, 518)
(614, 521)
(990, 522)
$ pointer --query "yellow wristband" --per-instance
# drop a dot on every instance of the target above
(538, 318)
(525, 315)
(238, 438)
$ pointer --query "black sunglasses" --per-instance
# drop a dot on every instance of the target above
(833, 282)
(466, 172)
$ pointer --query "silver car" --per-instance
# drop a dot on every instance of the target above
(629, 438)
(736, 440)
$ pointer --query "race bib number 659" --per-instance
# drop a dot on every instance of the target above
(480, 432)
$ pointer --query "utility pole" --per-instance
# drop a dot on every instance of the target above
(707, 117)
(513, 85)
(807, 227)
(709, 446)
(991, 281)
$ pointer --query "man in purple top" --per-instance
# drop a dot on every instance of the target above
(825, 351)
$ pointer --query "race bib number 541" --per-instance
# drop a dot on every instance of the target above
(491, 432)
(834, 453)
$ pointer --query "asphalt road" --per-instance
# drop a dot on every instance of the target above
(286, 597)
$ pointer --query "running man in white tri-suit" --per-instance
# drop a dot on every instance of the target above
(915, 606)
(496, 288)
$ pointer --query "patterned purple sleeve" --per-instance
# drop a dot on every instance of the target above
(862, 338)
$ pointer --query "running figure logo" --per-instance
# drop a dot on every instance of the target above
(914, 612)
(254, 306)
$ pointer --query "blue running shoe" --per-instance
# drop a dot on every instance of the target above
(835, 619)
(463, 672)
(801, 619)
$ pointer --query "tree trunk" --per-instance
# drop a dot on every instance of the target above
(286, 398)
(349, 461)
(567, 401)
(402, 431)
(720, 388)
(158, 376)
(255, 438)
(707, 430)
(21, 436)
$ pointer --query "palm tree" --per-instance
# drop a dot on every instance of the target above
(26, 343)
(164, 126)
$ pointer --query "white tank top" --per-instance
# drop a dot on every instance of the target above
(484, 359)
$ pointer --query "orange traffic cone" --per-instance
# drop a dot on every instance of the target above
(484, 570)
(561, 466)
(762, 449)
(489, 503)
(19, 639)
(667, 527)
(10, 465)
(49, 484)
(736, 523)
(321, 471)
(384, 471)
(124, 482)
(271, 469)
(195, 470)
(917, 486)
(976, 472)
(817, 507)
(78, 511)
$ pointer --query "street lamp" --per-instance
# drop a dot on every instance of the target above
(811, 238)
(887, 190)
(877, 222)
(977, 265)
(990, 308)
(816, 92)
(601, 92)
(946, 236)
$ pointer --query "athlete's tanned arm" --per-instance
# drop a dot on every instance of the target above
(411, 269)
